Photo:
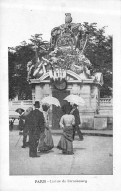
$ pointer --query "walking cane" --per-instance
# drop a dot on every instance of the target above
(18, 140)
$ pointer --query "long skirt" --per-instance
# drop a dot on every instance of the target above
(45, 141)
(66, 142)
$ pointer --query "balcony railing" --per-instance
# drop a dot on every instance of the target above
(20, 103)
(103, 102)
(106, 102)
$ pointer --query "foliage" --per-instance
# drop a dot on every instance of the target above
(98, 50)
(18, 58)
(12, 63)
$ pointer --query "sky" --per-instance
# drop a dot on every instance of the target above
(22, 18)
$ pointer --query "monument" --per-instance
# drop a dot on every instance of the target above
(65, 70)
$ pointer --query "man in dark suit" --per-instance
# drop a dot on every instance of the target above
(75, 112)
(37, 123)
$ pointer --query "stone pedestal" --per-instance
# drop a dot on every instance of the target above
(87, 119)
(38, 92)
(88, 90)
(41, 91)
(100, 122)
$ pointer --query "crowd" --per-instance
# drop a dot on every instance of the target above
(35, 124)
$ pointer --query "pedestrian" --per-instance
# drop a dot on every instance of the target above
(21, 120)
(76, 128)
(11, 124)
(46, 141)
(25, 116)
(37, 123)
(66, 142)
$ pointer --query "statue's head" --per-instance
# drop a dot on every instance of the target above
(68, 14)
(68, 18)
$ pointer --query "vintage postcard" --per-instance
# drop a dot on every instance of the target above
(60, 95)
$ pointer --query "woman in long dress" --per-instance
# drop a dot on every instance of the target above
(66, 142)
(46, 140)
(26, 126)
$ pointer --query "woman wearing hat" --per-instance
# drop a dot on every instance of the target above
(26, 126)
(66, 123)
(46, 140)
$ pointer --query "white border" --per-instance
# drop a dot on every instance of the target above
(94, 182)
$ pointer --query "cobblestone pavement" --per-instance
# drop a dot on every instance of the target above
(93, 156)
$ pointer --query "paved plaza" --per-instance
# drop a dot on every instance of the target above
(93, 156)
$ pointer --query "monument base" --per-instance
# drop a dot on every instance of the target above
(87, 119)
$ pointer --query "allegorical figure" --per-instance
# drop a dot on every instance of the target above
(78, 38)
(30, 70)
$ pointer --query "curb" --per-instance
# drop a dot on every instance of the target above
(87, 133)
(84, 132)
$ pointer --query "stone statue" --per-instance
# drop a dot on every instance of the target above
(78, 38)
(68, 18)
(30, 70)
(54, 36)
(66, 43)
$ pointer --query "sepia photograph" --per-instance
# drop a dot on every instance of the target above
(60, 96)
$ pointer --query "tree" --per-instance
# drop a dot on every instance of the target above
(18, 58)
(12, 63)
(99, 52)
(40, 47)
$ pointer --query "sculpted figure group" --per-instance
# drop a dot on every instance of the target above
(65, 52)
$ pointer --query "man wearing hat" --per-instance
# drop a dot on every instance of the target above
(36, 127)
(75, 112)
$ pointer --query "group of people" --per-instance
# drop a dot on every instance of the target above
(36, 125)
